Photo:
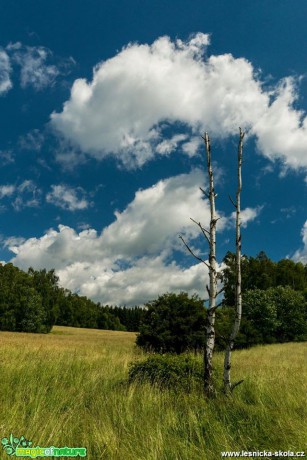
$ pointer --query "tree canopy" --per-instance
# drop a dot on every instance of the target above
(274, 301)
(260, 272)
(22, 306)
(34, 302)
(173, 323)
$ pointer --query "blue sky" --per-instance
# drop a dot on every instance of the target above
(102, 108)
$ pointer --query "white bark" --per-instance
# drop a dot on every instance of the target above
(228, 386)
(212, 289)
(210, 236)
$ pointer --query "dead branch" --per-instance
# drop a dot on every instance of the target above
(193, 254)
(220, 291)
(204, 231)
(232, 201)
(205, 193)
(234, 385)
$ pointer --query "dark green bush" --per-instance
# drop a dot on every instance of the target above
(173, 323)
(168, 371)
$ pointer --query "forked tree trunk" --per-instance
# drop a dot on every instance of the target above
(213, 293)
(228, 386)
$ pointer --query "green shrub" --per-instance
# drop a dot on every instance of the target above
(173, 323)
(168, 371)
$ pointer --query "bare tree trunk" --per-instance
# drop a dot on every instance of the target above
(228, 386)
(212, 290)
(210, 236)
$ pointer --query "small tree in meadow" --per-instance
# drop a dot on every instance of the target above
(173, 323)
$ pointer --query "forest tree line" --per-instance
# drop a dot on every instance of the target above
(274, 303)
(33, 302)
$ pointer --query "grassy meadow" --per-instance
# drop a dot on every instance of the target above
(67, 388)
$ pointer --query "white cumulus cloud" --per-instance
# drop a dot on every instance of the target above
(38, 67)
(68, 198)
(150, 222)
(247, 215)
(135, 285)
(130, 260)
(26, 194)
(123, 111)
(154, 218)
(6, 190)
(301, 254)
(34, 71)
(5, 71)
(167, 146)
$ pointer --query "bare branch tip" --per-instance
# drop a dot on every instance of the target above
(232, 201)
(236, 384)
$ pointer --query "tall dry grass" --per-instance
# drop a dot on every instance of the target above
(68, 388)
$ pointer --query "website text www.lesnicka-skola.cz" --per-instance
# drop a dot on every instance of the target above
(264, 454)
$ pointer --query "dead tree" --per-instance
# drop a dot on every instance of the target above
(228, 386)
(210, 236)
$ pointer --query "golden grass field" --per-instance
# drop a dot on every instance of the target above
(67, 388)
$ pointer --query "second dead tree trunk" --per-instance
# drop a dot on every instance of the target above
(228, 386)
